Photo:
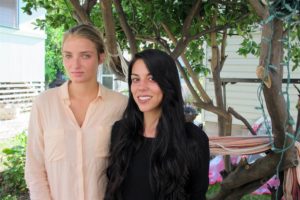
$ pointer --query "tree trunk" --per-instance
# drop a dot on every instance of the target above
(215, 68)
(126, 28)
(245, 174)
(111, 39)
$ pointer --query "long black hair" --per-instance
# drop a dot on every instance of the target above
(169, 166)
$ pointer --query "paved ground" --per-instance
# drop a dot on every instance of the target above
(10, 128)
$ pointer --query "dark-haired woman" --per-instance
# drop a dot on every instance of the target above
(155, 154)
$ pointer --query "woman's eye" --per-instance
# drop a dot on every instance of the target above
(86, 56)
(67, 56)
(151, 78)
(134, 80)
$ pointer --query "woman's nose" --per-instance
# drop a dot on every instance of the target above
(75, 62)
(142, 85)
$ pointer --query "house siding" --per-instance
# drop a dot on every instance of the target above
(22, 55)
(22, 50)
(242, 97)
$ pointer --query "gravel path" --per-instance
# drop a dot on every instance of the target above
(10, 128)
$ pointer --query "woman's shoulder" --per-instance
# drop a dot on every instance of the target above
(115, 99)
(115, 131)
(117, 96)
(117, 124)
(47, 95)
(195, 132)
(198, 146)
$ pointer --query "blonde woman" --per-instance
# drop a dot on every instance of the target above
(69, 129)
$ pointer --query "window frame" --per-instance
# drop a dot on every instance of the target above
(16, 22)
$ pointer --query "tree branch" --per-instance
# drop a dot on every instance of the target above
(251, 176)
(188, 83)
(111, 40)
(240, 117)
(189, 68)
(155, 40)
(223, 46)
(215, 71)
(125, 27)
(272, 54)
(238, 193)
(88, 5)
(182, 43)
(261, 168)
(80, 15)
(219, 27)
(211, 108)
(260, 10)
(188, 20)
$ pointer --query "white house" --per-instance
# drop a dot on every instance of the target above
(22, 55)
(242, 96)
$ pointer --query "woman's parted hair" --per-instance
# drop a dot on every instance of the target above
(168, 156)
(89, 32)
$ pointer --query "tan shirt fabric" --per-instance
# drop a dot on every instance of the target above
(65, 161)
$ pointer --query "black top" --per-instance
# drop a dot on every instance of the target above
(136, 185)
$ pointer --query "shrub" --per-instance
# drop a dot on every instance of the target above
(12, 183)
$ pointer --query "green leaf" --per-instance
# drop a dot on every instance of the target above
(8, 151)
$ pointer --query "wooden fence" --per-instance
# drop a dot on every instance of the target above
(20, 94)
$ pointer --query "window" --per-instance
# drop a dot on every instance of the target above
(108, 82)
(106, 77)
(9, 13)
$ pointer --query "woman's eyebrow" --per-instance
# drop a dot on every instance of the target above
(133, 74)
(86, 52)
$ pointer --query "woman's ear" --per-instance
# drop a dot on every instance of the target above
(101, 57)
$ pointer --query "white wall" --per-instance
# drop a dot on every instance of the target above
(243, 96)
(22, 50)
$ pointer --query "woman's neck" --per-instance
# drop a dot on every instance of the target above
(83, 90)
(150, 124)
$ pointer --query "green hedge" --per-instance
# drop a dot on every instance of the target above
(12, 183)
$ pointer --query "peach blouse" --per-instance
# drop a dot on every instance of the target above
(65, 161)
